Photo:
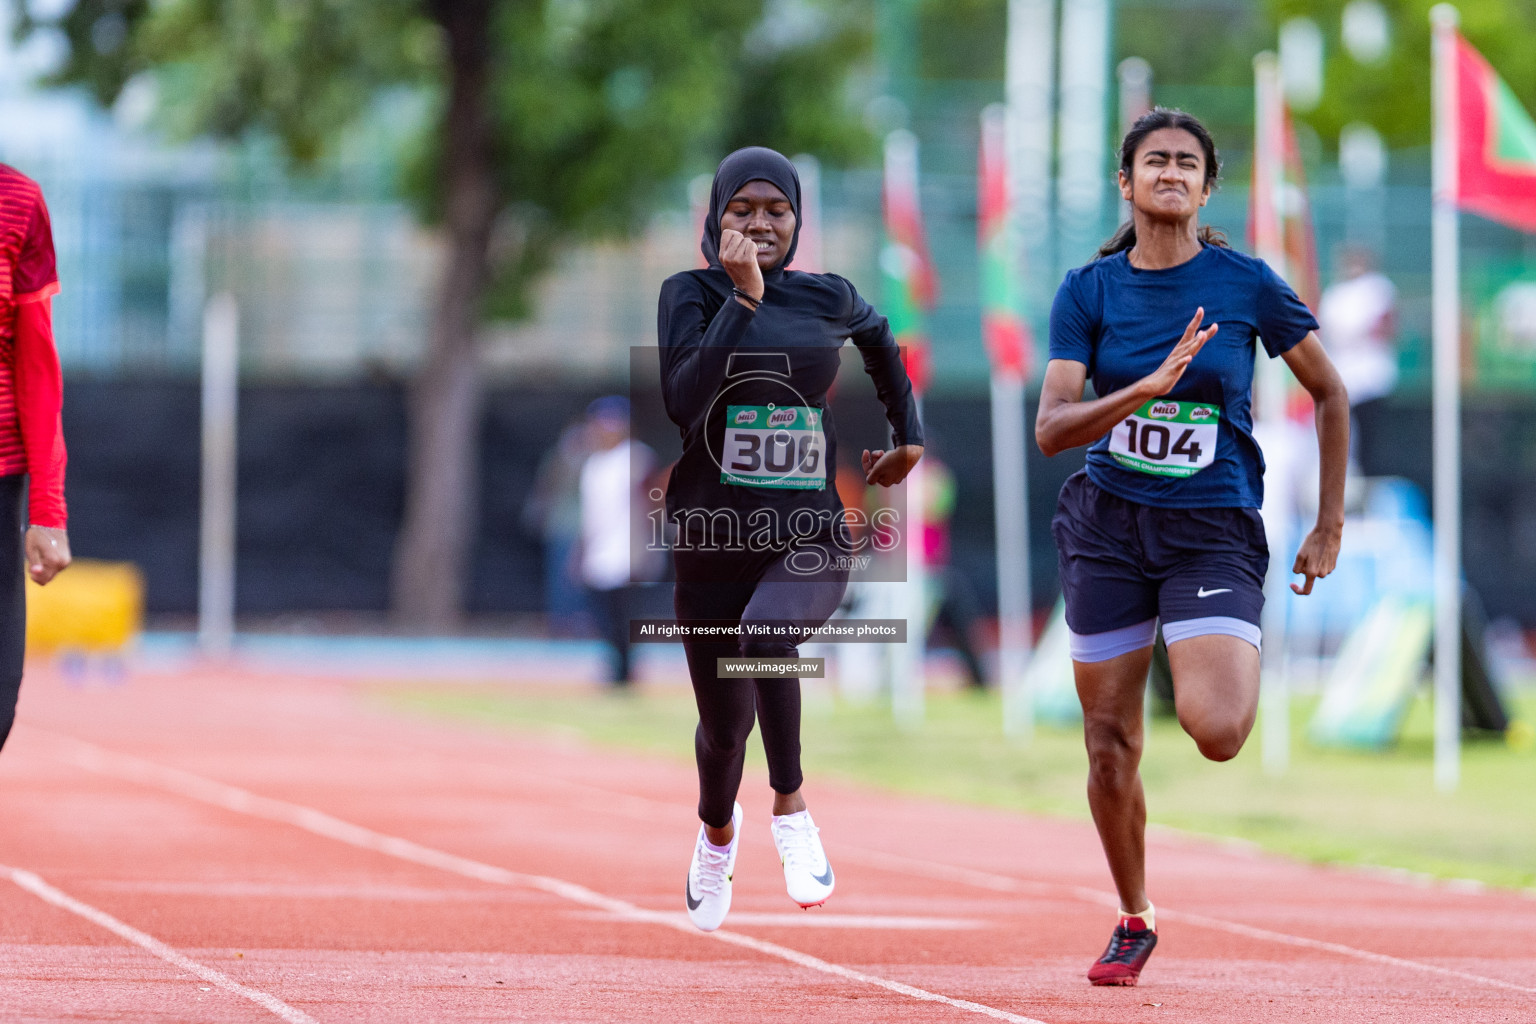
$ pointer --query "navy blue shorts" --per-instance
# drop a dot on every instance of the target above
(1123, 563)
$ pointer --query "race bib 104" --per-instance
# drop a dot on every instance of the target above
(774, 446)
(1167, 438)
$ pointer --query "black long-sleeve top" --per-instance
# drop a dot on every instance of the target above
(718, 355)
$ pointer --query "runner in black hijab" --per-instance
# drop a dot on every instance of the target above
(749, 349)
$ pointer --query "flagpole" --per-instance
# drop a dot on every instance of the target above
(217, 541)
(809, 254)
(1444, 229)
(908, 682)
(1010, 478)
(1268, 176)
(1029, 75)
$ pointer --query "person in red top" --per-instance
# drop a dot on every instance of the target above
(31, 432)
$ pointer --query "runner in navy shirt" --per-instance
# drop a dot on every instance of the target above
(1163, 522)
(1120, 322)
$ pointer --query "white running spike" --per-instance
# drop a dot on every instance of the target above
(807, 873)
(707, 889)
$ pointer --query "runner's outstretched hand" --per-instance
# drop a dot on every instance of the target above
(1318, 555)
(887, 468)
(738, 255)
(1162, 380)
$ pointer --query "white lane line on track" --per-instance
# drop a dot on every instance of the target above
(125, 766)
(889, 922)
(1006, 883)
(282, 891)
(43, 891)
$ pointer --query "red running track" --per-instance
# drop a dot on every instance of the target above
(226, 847)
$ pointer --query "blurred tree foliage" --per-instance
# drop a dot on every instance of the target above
(555, 120)
(597, 106)
(962, 39)
(1392, 94)
(1201, 53)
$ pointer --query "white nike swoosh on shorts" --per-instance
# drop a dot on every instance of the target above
(1212, 593)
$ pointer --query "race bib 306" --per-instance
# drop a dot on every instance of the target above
(1167, 438)
(774, 446)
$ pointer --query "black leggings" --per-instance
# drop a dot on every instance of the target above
(749, 587)
(13, 600)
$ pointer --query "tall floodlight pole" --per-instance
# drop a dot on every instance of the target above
(1135, 79)
(1269, 240)
(1445, 319)
(810, 255)
(1006, 334)
(1029, 79)
(1135, 76)
(909, 292)
(1081, 170)
(216, 556)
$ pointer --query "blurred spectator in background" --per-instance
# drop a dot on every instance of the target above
(553, 514)
(613, 505)
(1358, 318)
(952, 605)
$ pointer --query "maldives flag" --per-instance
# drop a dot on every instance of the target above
(1003, 326)
(1300, 243)
(1495, 145)
(911, 287)
(1280, 214)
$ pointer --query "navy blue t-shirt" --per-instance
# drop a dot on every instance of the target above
(1122, 322)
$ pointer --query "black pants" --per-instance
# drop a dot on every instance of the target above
(612, 610)
(13, 600)
(957, 617)
(749, 587)
(1370, 436)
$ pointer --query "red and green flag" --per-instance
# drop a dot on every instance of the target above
(1004, 328)
(1300, 242)
(1495, 145)
(1280, 214)
(910, 284)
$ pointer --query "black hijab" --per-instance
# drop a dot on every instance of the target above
(755, 163)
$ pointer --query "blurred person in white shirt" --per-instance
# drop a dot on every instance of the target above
(1358, 319)
(612, 524)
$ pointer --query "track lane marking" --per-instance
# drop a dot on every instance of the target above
(1006, 883)
(102, 761)
(832, 919)
(43, 891)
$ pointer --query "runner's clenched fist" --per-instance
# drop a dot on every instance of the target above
(738, 255)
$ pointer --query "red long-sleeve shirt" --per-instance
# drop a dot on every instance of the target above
(31, 384)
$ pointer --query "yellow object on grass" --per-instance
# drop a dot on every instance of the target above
(91, 606)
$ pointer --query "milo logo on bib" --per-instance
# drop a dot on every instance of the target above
(1167, 438)
(774, 446)
(783, 417)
